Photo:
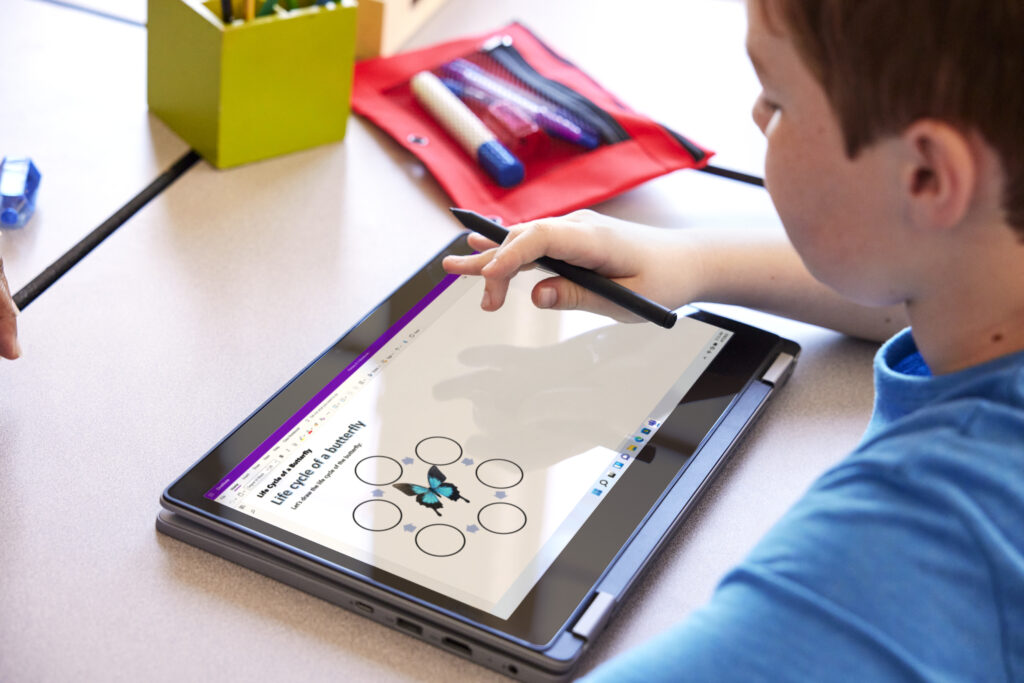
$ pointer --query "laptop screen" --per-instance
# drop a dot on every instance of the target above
(491, 465)
(462, 450)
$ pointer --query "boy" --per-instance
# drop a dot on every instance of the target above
(896, 163)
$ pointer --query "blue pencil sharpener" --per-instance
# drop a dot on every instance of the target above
(19, 182)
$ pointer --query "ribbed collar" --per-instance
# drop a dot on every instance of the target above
(903, 383)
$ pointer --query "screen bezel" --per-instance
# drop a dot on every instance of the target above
(558, 595)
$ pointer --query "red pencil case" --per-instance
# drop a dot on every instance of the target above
(618, 148)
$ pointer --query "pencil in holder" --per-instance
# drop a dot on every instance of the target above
(247, 89)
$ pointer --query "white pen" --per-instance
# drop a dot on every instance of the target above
(463, 125)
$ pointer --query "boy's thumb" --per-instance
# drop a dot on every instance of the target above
(559, 293)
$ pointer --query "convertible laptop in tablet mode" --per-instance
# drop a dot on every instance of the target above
(492, 483)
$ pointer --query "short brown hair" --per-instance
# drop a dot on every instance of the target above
(886, 63)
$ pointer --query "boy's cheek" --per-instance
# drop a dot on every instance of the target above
(801, 206)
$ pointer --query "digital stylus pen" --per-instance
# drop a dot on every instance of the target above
(588, 279)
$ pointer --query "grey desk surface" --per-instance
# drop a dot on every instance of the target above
(74, 99)
(213, 295)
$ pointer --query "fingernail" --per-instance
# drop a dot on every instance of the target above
(546, 297)
(485, 303)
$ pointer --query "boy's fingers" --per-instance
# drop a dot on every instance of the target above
(558, 293)
(513, 255)
(480, 243)
(495, 290)
(470, 264)
(525, 244)
(559, 238)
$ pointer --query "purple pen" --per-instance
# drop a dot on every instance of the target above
(550, 119)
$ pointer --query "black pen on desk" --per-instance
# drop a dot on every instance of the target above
(225, 11)
(588, 279)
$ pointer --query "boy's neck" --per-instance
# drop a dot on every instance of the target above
(973, 310)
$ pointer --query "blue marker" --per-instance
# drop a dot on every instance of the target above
(463, 125)
(19, 182)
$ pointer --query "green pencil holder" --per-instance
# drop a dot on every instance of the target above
(248, 90)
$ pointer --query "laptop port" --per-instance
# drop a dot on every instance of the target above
(455, 645)
(408, 626)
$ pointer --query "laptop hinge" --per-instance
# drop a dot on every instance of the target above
(778, 371)
(595, 617)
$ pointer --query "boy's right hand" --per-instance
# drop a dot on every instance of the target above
(742, 266)
(9, 347)
(631, 254)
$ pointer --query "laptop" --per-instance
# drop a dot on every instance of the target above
(490, 483)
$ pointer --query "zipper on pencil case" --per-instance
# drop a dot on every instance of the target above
(502, 51)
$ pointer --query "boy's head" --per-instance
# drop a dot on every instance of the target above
(889, 123)
(884, 65)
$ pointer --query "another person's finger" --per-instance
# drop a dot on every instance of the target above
(9, 347)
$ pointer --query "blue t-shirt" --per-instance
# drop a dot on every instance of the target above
(903, 562)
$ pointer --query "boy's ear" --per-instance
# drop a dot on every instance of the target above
(940, 175)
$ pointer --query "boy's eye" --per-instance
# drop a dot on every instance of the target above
(766, 104)
(764, 111)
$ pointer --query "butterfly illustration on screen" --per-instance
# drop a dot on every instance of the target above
(431, 494)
